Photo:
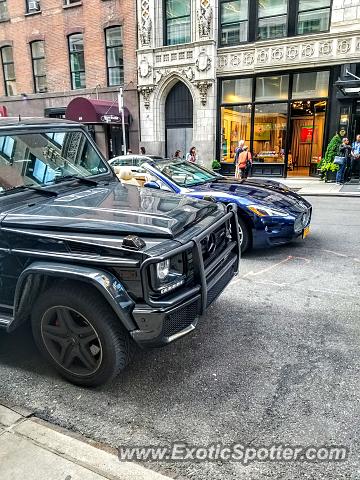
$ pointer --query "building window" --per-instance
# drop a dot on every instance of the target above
(4, 14)
(311, 85)
(272, 19)
(234, 22)
(8, 66)
(237, 91)
(77, 61)
(313, 16)
(39, 66)
(272, 88)
(32, 6)
(114, 56)
(70, 2)
(178, 21)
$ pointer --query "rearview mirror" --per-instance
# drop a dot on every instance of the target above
(152, 184)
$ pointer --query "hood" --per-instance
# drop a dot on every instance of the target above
(255, 192)
(113, 209)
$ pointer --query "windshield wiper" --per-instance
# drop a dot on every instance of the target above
(42, 191)
(83, 180)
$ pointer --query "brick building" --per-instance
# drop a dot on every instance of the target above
(55, 51)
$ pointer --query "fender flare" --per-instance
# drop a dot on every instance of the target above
(106, 283)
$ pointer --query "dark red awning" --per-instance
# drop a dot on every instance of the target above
(88, 110)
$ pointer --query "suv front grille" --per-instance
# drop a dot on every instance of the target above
(213, 244)
(217, 289)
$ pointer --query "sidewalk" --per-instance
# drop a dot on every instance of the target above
(33, 449)
(308, 186)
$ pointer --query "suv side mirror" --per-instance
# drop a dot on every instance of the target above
(152, 184)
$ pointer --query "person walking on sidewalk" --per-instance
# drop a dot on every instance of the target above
(345, 151)
(355, 164)
(244, 164)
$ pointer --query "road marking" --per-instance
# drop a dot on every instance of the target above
(336, 253)
(265, 270)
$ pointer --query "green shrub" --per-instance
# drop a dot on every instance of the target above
(216, 165)
(327, 163)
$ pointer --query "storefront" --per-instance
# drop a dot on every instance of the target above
(281, 118)
(104, 122)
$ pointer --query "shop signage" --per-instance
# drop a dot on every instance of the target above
(111, 118)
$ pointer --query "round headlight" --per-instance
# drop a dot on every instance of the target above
(163, 269)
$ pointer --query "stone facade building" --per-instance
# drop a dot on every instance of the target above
(281, 75)
(55, 51)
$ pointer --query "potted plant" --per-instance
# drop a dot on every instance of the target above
(327, 167)
(328, 171)
(216, 166)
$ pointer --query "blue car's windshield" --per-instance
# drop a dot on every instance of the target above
(186, 174)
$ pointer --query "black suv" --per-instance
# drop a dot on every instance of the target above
(98, 266)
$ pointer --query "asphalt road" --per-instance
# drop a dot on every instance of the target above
(275, 360)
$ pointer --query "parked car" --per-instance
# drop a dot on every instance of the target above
(133, 161)
(97, 266)
(269, 213)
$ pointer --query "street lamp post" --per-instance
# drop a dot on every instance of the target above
(121, 111)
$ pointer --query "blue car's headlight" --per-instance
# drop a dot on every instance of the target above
(266, 211)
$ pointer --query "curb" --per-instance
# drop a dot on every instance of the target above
(335, 194)
(62, 446)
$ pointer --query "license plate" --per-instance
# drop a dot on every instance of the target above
(306, 232)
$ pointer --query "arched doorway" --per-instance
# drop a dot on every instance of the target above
(178, 119)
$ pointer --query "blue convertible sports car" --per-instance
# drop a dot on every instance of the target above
(269, 213)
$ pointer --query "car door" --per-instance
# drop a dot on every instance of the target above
(7, 272)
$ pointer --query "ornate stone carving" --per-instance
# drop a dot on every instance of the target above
(325, 48)
(145, 24)
(222, 61)
(144, 69)
(146, 92)
(186, 72)
(308, 50)
(235, 60)
(292, 52)
(205, 16)
(203, 88)
(249, 59)
(344, 46)
(277, 53)
(203, 62)
(262, 56)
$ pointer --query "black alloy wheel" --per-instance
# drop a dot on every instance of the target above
(80, 335)
(71, 341)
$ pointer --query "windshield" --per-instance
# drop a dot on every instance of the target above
(186, 174)
(41, 159)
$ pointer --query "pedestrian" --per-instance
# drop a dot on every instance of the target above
(355, 167)
(178, 155)
(142, 151)
(345, 152)
(129, 152)
(244, 163)
(192, 155)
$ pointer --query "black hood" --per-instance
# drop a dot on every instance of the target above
(113, 209)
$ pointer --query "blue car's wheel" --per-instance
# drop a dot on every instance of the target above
(244, 235)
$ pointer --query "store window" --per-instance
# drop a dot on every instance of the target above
(311, 85)
(177, 22)
(236, 126)
(4, 13)
(272, 19)
(313, 16)
(237, 91)
(272, 88)
(234, 17)
(39, 66)
(269, 135)
(114, 56)
(8, 67)
(77, 61)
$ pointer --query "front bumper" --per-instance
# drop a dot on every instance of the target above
(275, 231)
(162, 322)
